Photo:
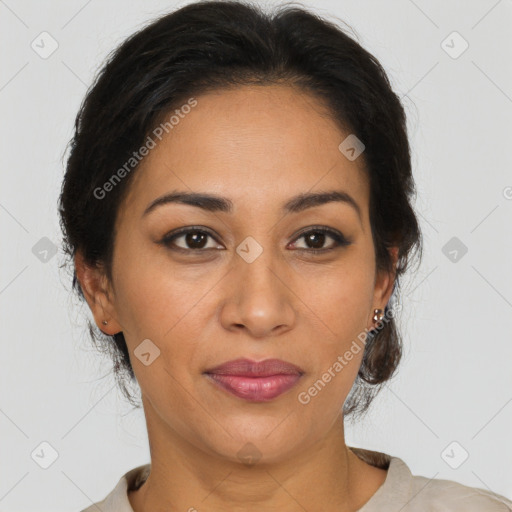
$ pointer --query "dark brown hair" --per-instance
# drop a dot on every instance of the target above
(219, 44)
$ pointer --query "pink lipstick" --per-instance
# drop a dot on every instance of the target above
(255, 381)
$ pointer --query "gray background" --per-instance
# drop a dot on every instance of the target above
(454, 383)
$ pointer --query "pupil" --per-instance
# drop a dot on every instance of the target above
(316, 238)
(191, 239)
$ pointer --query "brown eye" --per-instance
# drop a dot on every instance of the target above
(196, 239)
(315, 240)
(193, 239)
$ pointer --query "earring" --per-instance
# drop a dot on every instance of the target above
(105, 322)
(378, 315)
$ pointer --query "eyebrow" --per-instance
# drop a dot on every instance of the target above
(214, 203)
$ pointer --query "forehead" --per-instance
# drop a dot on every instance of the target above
(260, 144)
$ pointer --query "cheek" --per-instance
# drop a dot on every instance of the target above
(338, 305)
(339, 301)
(149, 299)
(155, 303)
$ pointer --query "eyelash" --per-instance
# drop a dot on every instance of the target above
(340, 240)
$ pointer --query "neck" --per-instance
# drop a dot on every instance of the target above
(324, 476)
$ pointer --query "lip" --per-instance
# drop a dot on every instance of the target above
(255, 381)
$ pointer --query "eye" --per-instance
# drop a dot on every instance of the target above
(194, 239)
(316, 238)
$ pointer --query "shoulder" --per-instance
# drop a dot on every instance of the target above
(117, 500)
(414, 493)
(447, 495)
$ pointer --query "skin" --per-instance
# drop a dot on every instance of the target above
(257, 146)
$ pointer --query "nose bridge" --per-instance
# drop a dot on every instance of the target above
(261, 300)
(258, 263)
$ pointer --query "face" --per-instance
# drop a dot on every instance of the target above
(262, 279)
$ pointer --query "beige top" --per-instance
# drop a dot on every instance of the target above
(401, 491)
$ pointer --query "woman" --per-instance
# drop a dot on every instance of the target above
(237, 207)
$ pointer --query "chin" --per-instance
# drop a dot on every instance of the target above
(258, 440)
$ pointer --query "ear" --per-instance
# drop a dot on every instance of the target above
(98, 294)
(384, 282)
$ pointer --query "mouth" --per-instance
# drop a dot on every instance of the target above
(255, 381)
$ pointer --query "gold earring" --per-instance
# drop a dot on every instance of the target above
(105, 322)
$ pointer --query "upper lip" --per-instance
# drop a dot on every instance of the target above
(249, 368)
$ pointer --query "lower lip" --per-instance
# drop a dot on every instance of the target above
(255, 389)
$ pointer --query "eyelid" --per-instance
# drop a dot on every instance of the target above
(338, 237)
(171, 236)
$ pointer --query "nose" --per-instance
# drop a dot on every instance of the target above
(261, 301)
